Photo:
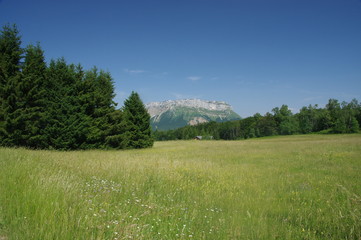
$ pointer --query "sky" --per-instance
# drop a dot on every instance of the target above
(253, 54)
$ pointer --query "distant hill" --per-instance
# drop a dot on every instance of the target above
(174, 114)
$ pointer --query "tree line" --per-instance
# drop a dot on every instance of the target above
(62, 106)
(335, 117)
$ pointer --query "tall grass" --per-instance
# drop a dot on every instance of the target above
(297, 187)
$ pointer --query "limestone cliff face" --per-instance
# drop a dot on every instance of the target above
(197, 120)
(173, 114)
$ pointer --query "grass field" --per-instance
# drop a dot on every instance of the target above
(296, 187)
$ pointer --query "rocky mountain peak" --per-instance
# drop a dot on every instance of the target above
(173, 114)
(156, 108)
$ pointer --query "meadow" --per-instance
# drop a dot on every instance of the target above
(292, 187)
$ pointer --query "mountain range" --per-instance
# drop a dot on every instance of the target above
(174, 114)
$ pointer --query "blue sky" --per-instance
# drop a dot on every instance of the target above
(253, 54)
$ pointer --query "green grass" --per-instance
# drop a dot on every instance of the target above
(296, 187)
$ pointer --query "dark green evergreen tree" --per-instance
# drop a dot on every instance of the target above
(100, 108)
(10, 75)
(67, 125)
(31, 118)
(136, 122)
(62, 106)
(114, 135)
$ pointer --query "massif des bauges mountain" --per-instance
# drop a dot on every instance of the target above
(173, 114)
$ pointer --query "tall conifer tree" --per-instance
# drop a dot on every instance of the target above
(31, 114)
(62, 129)
(61, 106)
(99, 105)
(136, 124)
(10, 64)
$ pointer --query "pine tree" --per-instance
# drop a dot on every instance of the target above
(61, 106)
(31, 113)
(114, 136)
(99, 107)
(10, 54)
(66, 123)
(136, 122)
(10, 75)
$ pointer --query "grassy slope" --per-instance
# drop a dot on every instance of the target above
(297, 187)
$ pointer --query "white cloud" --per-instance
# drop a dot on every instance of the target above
(194, 78)
(130, 71)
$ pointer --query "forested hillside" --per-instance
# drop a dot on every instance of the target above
(336, 117)
(62, 106)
